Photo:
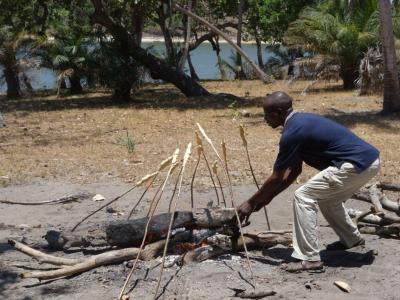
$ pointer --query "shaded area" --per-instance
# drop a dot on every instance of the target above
(374, 118)
(348, 259)
(160, 98)
(7, 277)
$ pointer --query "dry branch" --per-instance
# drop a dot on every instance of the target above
(114, 256)
(66, 199)
(387, 204)
(43, 257)
(251, 240)
(395, 187)
(244, 140)
(389, 230)
(381, 220)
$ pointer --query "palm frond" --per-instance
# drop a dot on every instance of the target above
(59, 60)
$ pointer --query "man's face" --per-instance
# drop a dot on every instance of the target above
(272, 117)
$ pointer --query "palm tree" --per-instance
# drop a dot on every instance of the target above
(69, 56)
(341, 30)
(391, 89)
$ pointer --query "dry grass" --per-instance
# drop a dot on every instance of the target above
(78, 138)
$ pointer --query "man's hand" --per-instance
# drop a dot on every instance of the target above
(244, 211)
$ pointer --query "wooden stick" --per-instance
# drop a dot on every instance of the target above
(174, 191)
(185, 159)
(161, 166)
(225, 164)
(43, 257)
(141, 196)
(211, 176)
(109, 257)
(244, 140)
(215, 171)
(65, 199)
(193, 176)
(199, 142)
(151, 213)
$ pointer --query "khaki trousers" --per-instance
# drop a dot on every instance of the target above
(328, 190)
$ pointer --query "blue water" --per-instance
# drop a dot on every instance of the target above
(203, 58)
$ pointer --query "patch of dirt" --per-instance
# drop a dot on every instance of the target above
(85, 138)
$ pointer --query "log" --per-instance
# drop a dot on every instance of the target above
(212, 218)
(373, 219)
(110, 257)
(264, 241)
(129, 233)
(387, 204)
(376, 196)
(395, 187)
(123, 233)
(252, 240)
(389, 230)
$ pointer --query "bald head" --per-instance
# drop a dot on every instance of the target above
(277, 106)
(278, 101)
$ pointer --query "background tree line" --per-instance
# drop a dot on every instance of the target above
(101, 40)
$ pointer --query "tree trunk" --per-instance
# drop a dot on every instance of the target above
(169, 45)
(75, 81)
(184, 57)
(137, 17)
(193, 73)
(349, 76)
(122, 92)
(391, 88)
(12, 80)
(259, 51)
(217, 50)
(158, 68)
(240, 73)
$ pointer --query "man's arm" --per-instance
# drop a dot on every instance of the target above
(276, 183)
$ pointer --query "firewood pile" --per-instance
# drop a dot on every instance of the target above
(383, 218)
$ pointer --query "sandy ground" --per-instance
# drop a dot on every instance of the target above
(369, 277)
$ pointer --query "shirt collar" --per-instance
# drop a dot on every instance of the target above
(289, 116)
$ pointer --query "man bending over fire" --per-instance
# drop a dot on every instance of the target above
(345, 162)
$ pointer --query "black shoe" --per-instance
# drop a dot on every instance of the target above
(337, 246)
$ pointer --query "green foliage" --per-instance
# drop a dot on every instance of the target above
(127, 142)
(270, 18)
(235, 110)
(339, 29)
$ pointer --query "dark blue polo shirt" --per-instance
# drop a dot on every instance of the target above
(321, 143)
